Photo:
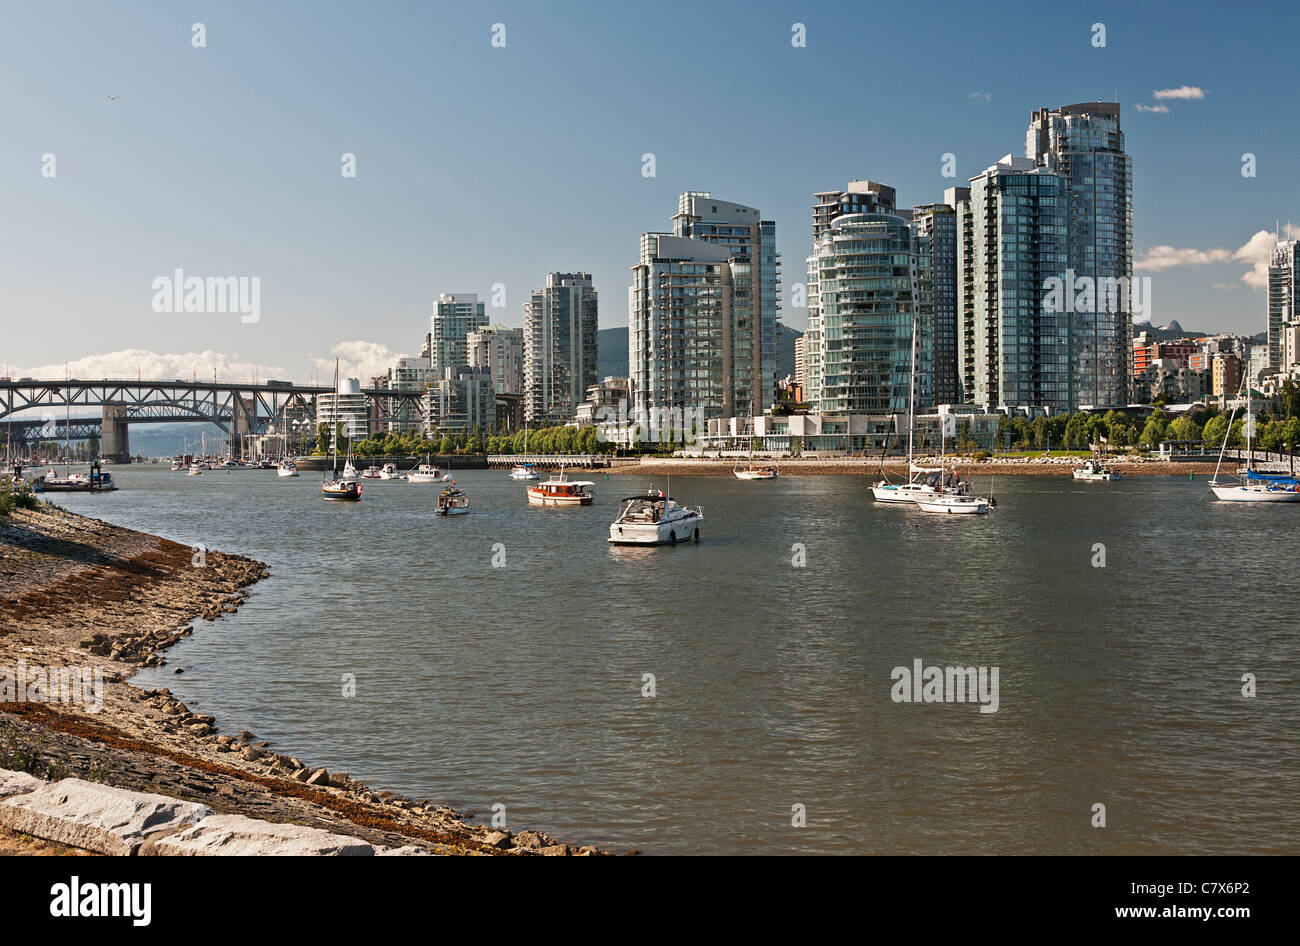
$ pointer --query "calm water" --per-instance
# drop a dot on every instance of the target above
(522, 684)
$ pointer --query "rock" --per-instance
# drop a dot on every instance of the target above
(497, 839)
(339, 780)
(252, 754)
(588, 851)
(245, 735)
(178, 670)
(556, 850)
(18, 783)
(302, 774)
(95, 817)
(319, 777)
(240, 836)
(407, 851)
(531, 839)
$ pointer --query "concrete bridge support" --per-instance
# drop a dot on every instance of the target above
(115, 441)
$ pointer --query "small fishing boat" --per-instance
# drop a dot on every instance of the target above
(287, 467)
(452, 502)
(561, 491)
(370, 473)
(1092, 471)
(389, 472)
(97, 482)
(655, 518)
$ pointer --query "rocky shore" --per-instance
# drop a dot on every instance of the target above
(78, 592)
(870, 466)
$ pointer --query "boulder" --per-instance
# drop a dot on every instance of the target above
(319, 777)
(241, 836)
(95, 817)
(18, 783)
(498, 839)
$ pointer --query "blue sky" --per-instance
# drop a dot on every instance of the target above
(479, 165)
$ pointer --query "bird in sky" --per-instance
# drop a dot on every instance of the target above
(112, 98)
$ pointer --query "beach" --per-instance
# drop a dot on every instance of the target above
(76, 592)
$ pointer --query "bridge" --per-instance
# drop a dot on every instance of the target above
(236, 408)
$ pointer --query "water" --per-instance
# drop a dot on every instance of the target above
(521, 685)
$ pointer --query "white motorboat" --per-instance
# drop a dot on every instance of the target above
(949, 503)
(452, 502)
(1093, 472)
(196, 469)
(426, 473)
(370, 473)
(655, 519)
(561, 491)
(523, 471)
(389, 472)
(287, 468)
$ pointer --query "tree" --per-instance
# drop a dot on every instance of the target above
(322, 438)
(1214, 430)
(1154, 431)
(1184, 428)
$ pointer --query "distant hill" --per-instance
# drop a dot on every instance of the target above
(611, 354)
(1166, 332)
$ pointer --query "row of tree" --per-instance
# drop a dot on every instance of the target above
(547, 440)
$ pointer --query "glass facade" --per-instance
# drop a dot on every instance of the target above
(560, 331)
(1283, 282)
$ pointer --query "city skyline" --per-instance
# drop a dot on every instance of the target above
(197, 171)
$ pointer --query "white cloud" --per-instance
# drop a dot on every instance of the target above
(131, 363)
(1167, 257)
(1151, 108)
(1182, 92)
(986, 96)
(1255, 253)
(358, 359)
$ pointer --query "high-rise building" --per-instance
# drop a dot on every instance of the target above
(703, 312)
(1013, 348)
(1084, 143)
(347, 407)
(462, 400)
(1283, 286)
(560, 330)
(501, 351)
(860, 197)
(409, 374)
(455, 315)
(869, 285)
(938, 224)
(798, 360)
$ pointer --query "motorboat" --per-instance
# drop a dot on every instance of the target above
(96, 482)
(389, 472)
(1092, 471)
(341, 489)
(427, 473)
(370, 473)
(452, 502)
(196, 469)
(523, 471)
(287, 467)
(655, 518)
(561, 491)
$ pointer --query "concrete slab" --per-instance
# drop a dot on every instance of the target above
(239, 836)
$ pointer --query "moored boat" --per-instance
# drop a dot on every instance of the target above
(1093, 471)
(452, 502)
(949, 503)
(655, 518)
(561, 491)
(523, 471)
(389, 472)
(287, 467)
(426, 473)
(370, 473)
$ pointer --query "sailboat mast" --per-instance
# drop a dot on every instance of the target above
(911, 394)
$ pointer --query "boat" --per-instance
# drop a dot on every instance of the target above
(561, 491)
(1093, 471)
(96, 482)
(287, 467)
(178, 463)
(196, 469)
(1257, 487)
(349, 472)
(370, 473)
(951, 502)
(655, 518)
(427, 473)
(389, 472)
(523, 471)
(340, 488)
(753, 472)
(452, 502)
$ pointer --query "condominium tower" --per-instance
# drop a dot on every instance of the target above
(560, 329)
(455, 315)
(1283, 285)
(703, 312)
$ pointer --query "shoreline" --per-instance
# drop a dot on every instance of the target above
(80, 592)
(840, 466)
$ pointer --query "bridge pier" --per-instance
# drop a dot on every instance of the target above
(115, 441)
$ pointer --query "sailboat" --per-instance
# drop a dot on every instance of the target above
(922, 482)
(1257, 487)
(524, 471)
(339, 488)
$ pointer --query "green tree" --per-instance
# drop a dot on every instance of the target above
(1184, 428)
(1154, 430)
(1214, 429)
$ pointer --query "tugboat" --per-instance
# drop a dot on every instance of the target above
(655, 519)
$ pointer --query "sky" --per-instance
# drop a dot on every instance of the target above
(481, 165)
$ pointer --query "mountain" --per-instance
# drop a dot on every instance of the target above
(1168, 332)
(611, 352)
